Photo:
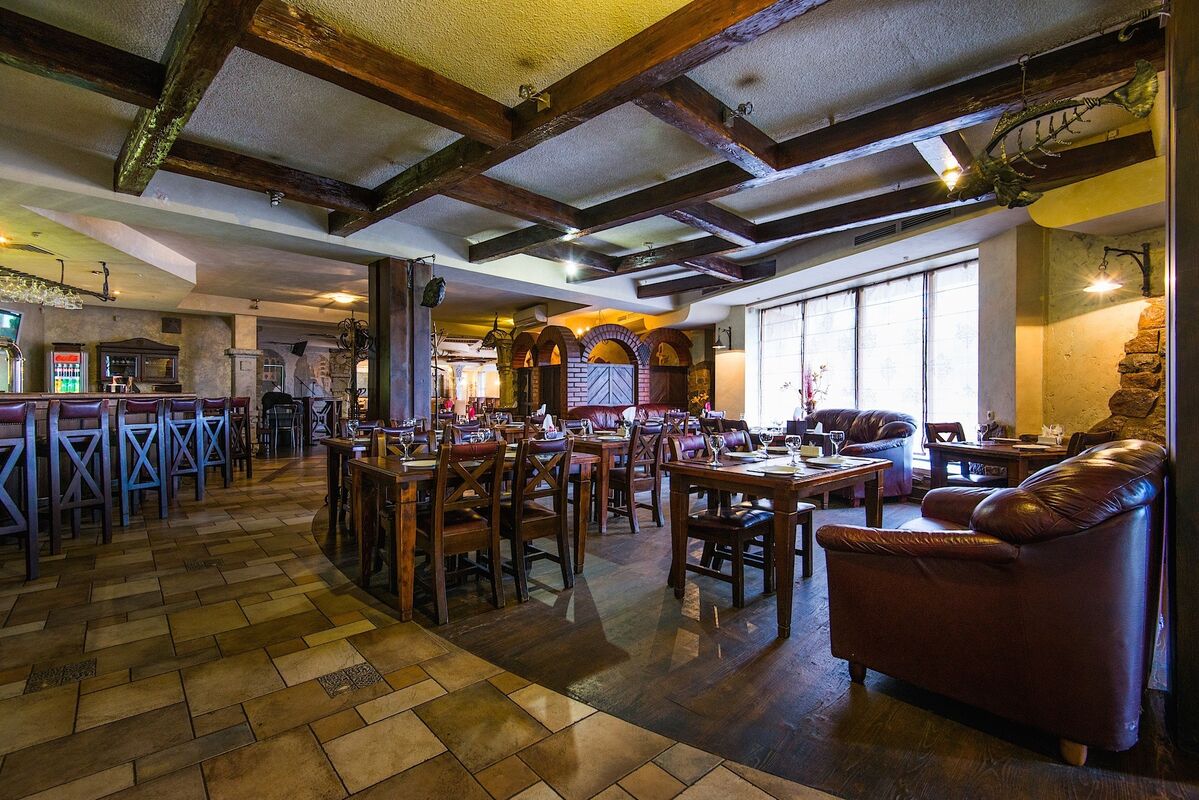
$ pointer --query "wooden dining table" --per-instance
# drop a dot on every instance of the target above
(784, 492)
(339, 450)
(1020, 462)
(389, 476)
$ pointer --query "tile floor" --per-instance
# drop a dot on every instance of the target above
(219, 654)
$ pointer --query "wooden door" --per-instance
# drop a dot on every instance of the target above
(524, 391)
(611, 384)
(551, 389)
(668, 385)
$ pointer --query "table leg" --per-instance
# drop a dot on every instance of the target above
(1017, 471)
(784, 558)
(601, 490)
(874, 501)
(939, 467)
(358, 511)
(680, 507)
(582, 515)
(333, 485)
(405, 546)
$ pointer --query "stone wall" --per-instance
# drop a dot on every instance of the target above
(1138, 407)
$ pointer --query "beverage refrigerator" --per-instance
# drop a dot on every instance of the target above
(66, 368)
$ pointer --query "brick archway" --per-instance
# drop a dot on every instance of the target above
(627, 340)
(573, 383)
(522, 345)
(675, 338)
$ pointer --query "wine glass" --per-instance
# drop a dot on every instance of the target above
(794, 443)
(407, 438)
(716, 443)
(352, 428)
(768, 435)
(837, 438)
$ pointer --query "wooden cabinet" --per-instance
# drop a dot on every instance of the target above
(145, 360)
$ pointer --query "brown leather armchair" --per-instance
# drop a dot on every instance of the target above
(1036, 603)
(874, 434)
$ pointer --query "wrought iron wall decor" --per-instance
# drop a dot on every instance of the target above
(354, 337)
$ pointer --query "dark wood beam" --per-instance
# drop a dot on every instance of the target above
(957, 145)
(204, 36)
(673, 46)
(246, 172)
(716, 267)
(306, 42)
(51, 52)
(596, 262)
(489, 193)
(715, 220)
(689, 107)
(1089, 65)
(675, 254)
(751, 272)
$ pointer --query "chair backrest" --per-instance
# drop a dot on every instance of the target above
(645, 448)
(714, 415)
(1085, 439)
(727, 425)
(18, 458)
(542, 470)
(710, 424)
(737, 441)
(385, 441)
(572, 425)
(689, 447)
(469, 478)
(943, 432)
(365, 427)
(239, 405)
(458, 433)
(796, 427)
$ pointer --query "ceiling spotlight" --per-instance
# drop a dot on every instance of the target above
(4, 240)
(342, 298)
(572, 269)
(276, 196)
(951, 176)
(254, 304)
(742, 111)
(528, 92)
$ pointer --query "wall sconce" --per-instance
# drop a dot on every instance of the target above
(1103, 283)
(723, 333)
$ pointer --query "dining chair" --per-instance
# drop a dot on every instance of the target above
(709, 425)
(730, 533)
(459, 432)
(80, 466)
(729, 425)
(385, 441)
(185, 444)
(240, 427)
(285, 418)
(675, 421)
(141, 455)
(18, 489)
(1084, 440)
(464, 518)
(953, 432)
(218, 438)
(640, 472)
(541, 473)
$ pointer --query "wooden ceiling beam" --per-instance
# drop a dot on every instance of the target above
(960, 149)
(675, 254)
(306, 42)
(686, 105)
(717, 221)
(599, 265)
(716, 267)
(246, 172)
(1086, 66)
(204, 36)
(682, 41)
(33, 46)
(505, 198)
(751, 272)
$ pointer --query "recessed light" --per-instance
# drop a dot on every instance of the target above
(342, 298)
(572, 269)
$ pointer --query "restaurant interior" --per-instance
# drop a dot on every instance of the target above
(625, 399)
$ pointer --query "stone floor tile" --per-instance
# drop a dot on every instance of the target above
(184, 755)
(507, 778)
(304, 588)
(249, 573)
(592, 754)
(42, 646)
(435, 779)
(403, 678)
(271, 632)
(218, 720)
(458, 668)
(397, 646)
(508, 683)
(113, 591)
(337, 724)
(538, 791)
(127, 700)
(90, 787)
(186, 784)
(219, 594)
(554, 711)
(291, 765)
(687, 763)
(340, 632)
(273, 609)
(190, 581)
(306, 665)
(124, 633)
(132, 655)
(283, 648)
(651, 782)
(13, 689)
(776, 787)
(480, 725)
(400, 700)
(206, 621)
(720, 784)
(301, 704)
(227, 681)
(31, 719)
(369, 755)
(17, 630)
(614, 792)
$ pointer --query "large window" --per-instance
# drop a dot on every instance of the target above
(908, 344)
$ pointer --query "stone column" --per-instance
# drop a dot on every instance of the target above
(244, 355)
(503, 365)
(459, 389)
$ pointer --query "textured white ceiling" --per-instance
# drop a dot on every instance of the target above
(51, 110)
(139, 26)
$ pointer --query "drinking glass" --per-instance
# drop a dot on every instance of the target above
(837, 438)
(716, 443)
(774, 432)
(794, 443)
(352, 428)
(406, 440)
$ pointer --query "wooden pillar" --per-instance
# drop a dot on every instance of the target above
(1182, 421)
(400, 383)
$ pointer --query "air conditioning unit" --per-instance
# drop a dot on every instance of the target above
(531, 317)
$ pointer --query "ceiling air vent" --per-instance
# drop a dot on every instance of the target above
(874, 235)
(924, 219)
(29, 248)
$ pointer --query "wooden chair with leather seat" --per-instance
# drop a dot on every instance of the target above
(541, 473)
(464, 518)
(18, 489)
(1082, 440)
(732, 531)
(953, 432)
(458, 433)
(640, 472)
(730, 425)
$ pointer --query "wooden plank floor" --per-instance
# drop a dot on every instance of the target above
(717, 678)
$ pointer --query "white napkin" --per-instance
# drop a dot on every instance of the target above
(629, 413)
(819, 428)
(548, 423)
(540, 411)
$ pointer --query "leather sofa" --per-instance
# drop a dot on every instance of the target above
(1036, 603)
(608, 417)
(874, 434)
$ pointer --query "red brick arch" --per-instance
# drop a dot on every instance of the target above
(573, 384)
(637, 351)
(522, 345)
(675, 338)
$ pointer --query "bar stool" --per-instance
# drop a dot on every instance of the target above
(185, 447)
(216, 441)
(18, 490)
(141, 455)
(323, 413)
(242, 445)
(86, 471)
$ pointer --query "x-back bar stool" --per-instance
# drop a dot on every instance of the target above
(141, 454)
(185, 444)
(83, 479)
(217, 445)
(18, 479)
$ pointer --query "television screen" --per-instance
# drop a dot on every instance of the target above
(10, 324)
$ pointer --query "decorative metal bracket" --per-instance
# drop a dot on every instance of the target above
(1141, 257)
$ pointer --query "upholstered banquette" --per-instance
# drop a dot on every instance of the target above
(874, 434)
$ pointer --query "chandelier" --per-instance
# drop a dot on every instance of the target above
(22, 287)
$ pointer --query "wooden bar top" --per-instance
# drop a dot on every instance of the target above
(47, 396)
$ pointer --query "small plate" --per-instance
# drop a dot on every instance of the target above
(780, 469)
(422, 464)
(743, 456)
(610, 438)
(1003, 440)
(827, 461)
(1031, 446)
